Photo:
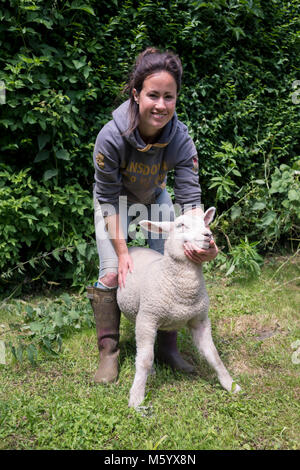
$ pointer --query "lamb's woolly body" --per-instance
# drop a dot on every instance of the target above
(167, 292)
(156, 277)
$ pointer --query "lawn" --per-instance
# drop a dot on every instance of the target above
(55, 404)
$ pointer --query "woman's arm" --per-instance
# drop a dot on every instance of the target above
(114, 228)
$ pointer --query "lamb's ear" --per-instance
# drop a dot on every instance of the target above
(156, 227)
(209, 215)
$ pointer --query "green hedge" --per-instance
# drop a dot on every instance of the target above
(64, 64)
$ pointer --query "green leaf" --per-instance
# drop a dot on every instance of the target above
(43, 155)
(55, 254)
(81, 247)
(32, 354)
(49, 174)
(36, 326)
(19, 353)
(235, 212)
(62, 154)
(258, 206)
(58, 319)
(66, 298)
(85, 8)
(43, 139)
(68, 257)
(47, 346)
(79, 63)
(268, 218)
(293, 195)
(13, 350)
(230, 270)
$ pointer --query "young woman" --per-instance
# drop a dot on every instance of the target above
(132, 156)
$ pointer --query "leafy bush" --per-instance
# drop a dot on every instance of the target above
(47, 216)
(268, 210)
(43, 328)
(64, 65)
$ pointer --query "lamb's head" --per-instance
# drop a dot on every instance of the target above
(185, 228)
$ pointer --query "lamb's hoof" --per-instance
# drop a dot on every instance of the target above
(230, 386)
(235, 388)
(135, 400)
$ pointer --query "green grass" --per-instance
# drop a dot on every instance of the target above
(56, 405)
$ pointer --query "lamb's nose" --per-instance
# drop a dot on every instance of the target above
(207, 234)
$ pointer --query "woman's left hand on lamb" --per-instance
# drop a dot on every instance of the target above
(198, 255)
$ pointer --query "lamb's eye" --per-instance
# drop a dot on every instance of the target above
(181, 225)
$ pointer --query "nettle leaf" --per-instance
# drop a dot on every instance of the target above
(81, 247)
(268, 218)
(58, 319)
(293, 195)
(257, 206)
(55, 254)
(68, 257)
(36, 326)
(235, 212)
(66, 298)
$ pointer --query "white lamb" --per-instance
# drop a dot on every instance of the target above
(167, 292)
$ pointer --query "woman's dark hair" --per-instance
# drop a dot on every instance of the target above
(148, 62)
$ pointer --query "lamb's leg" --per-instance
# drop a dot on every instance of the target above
(203, 340)
(145, 338)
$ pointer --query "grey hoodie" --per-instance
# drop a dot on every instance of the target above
(125, 165)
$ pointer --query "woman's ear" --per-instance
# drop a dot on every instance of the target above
(135, 95)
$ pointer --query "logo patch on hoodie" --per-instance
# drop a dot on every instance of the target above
(100, 160)
(195, 164)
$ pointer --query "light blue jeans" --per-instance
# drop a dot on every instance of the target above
(161, 210)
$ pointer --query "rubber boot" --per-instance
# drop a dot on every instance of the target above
(107, 316)
(168, 353)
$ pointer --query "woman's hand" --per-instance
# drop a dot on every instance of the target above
(125, 265)
(198, 255)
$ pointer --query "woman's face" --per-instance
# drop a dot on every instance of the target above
(157, 102)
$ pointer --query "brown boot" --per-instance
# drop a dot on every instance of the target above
(168, 353)
(107, 316)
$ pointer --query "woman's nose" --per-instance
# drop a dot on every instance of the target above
(160, 104)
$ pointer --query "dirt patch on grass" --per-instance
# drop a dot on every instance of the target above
(239, 362)
(261, 328)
